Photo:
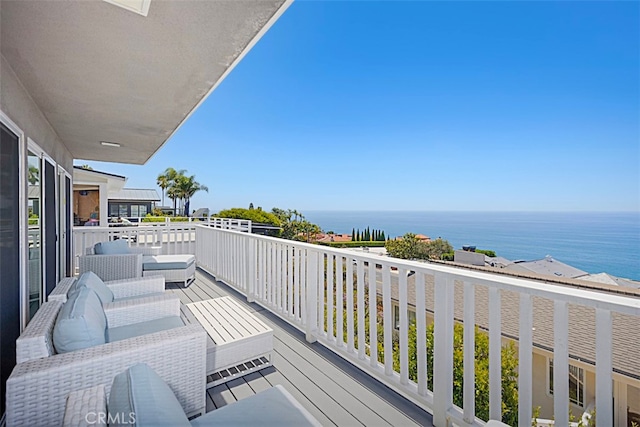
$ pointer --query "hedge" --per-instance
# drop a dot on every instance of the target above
(353, 244)
(162, 219)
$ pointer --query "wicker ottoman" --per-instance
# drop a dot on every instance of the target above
(174, 268)
(239, 342)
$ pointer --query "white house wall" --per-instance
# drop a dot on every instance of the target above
(17, 104)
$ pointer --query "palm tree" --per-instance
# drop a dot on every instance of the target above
(167, 181)
(186, 187)
(163, 182)
(172, 193)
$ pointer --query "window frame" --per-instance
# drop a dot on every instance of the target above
(580, 377)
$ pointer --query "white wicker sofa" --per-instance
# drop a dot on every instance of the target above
(42, 379)
(137, 261)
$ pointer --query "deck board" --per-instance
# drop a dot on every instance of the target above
(329, 387)
(221, 395)
(274, 377)
(240, 388)
(257, 382)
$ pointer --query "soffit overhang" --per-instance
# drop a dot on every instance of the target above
(99, 72)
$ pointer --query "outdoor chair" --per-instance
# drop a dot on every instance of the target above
(117, 260)
(121, 289)
(152, 333)
(140, 395)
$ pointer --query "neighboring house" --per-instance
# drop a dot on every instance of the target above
(90, 194)
(326, 238)
(548, 266)
(626, 363)
(95, 192)
(132, 202)
(608, 279)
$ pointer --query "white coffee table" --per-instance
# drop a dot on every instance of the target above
(239, 342)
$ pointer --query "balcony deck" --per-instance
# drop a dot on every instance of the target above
(333, 390)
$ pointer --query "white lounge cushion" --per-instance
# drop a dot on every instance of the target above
(167, 262)
(115, 247)
(81, 322)
(140, 397)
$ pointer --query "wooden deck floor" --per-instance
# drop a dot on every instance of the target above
(332, 390)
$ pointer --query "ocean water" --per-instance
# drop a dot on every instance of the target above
(595, 242)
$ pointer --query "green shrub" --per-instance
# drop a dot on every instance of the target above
(372, 244)
(150, 218)
(448, 256)
(486, 252)
(255, 215)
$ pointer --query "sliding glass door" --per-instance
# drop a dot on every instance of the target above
(50, 227)
(10, 313)
(64, 225)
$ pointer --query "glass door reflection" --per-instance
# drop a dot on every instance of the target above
(34, 209)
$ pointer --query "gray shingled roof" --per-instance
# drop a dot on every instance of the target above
(548, 266)
(141, 194)
(625, 342)
(608, 279)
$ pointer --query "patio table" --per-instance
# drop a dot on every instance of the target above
(239, 342)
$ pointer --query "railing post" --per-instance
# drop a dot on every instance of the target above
(443, 350)
(251, 270)
(604, 403)
(311, 296)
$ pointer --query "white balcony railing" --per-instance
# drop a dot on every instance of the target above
(175, 237)
(298, 282)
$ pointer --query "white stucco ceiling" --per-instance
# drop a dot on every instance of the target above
(101, 73)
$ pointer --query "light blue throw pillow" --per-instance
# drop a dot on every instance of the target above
(140, 397)
(92, 281)
(81, 322)
(115, 247)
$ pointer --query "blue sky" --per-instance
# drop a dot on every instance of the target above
(503, 106)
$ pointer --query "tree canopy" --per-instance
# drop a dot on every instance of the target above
(255, 215)
(179, 186)
(410, 247)
(509, 374)
(293, 225)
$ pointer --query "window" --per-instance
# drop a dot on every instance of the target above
(396, 316)
(576, 383)
(123, 210)
(138, 210)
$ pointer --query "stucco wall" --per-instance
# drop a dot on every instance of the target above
(16, 103)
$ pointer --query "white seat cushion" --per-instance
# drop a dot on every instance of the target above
(143, 328)
(167, 262)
